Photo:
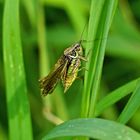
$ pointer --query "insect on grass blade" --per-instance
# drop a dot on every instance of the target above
(65, 70)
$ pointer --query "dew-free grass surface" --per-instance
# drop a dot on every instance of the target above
(101, 15)
(93, 128)
(19, 121)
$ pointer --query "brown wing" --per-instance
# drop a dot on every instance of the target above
(48, 83)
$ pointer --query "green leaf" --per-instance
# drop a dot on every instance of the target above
(16, 90)
(30, 9)
(101, 15)
(115, 96)
(94, 128)
(132, 105)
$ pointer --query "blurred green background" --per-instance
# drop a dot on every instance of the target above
(47, 27)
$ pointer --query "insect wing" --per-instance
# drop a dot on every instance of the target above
(48, 83)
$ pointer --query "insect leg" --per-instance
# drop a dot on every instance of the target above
(82, 58)
(83, 68)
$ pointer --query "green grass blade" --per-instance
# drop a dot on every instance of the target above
(107, 14)
(42, 42)
(45, 66)
(30, 9)
(115, 96)
(100, 20)
(132, 105)
(94, 128)
(17, 101)
(93, 24)
(76, 17)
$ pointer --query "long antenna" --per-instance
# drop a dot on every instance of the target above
(82, 33)
(82, 40)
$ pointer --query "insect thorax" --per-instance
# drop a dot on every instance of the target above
(74, 51)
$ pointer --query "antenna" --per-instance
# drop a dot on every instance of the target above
(83, 40)
(82, 33)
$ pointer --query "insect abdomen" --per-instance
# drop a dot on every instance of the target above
(71, 73)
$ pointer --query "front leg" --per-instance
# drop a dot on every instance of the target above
(82, 58)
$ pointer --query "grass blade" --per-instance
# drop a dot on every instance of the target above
(101, 16)
(30, 9)
(132, 105)
(115, 96)
(45, 66)
(94, 128)
(17, 101)
(93, 24)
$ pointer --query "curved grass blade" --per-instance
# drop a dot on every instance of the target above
(132, 105)
(115, 96)
(16, 90)
(94, 128)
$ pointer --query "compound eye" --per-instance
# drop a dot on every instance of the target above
(77, 47)
(73, 53)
